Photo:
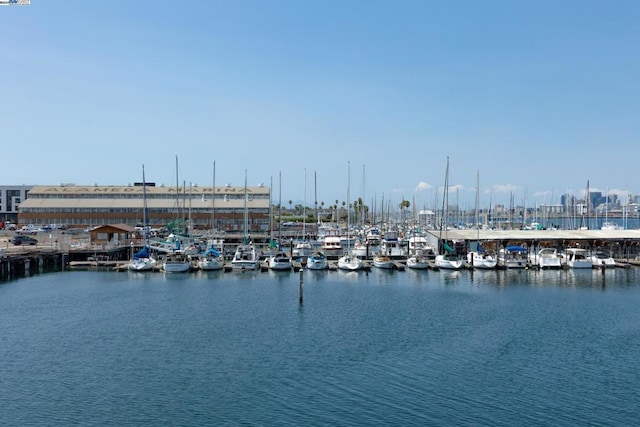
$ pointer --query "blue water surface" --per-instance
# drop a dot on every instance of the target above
(404, 348)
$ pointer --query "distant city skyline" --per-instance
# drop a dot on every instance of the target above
(538, 98)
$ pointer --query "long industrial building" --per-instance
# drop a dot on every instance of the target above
(87, 206)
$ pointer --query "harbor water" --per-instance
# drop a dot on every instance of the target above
(492, 348)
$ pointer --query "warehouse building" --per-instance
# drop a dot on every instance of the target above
(77, 206)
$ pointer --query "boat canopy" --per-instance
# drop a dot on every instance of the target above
(144, 253)
(516, 249)
(212, 252)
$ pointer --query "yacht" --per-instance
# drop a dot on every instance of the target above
(245, 257)
(546, 258)
(578, 258)
(512, 257)
(599, 259)
(391, 245)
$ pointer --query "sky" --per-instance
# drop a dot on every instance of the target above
(363, 98)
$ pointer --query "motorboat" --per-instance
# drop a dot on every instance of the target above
(546, 258)
(391, 246)
(578, 258)
(302, 249)
(600, 259)
(512, 257)
(331, 245)
(245, 257)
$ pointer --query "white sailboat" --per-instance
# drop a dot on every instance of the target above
(447, 258)
(479, 258)
(303, 247)
(349, 261)
(280, 260)
(143, 261)
(420, 252)
(213, 257)
(177, 261)
(245, 257)
(317, 261)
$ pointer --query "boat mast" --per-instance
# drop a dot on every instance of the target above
(363, 198)
(304, 208)
(279, 209)
(145, 213)
(177, 193)
(245, 224)
(348, 209)
(213, 201)
(315, 199)
(270, 214)
(445, 207)
(477, 210)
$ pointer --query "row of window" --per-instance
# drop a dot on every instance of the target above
(221, 225)
(133, 210)
(220, 197)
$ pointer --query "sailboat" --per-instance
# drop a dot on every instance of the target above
(478, 258)
(213, 257)
(447, 258)
(418, 247)
(303, 248)
(143, 261)
(280, 260)
(177, 261)
(245, 257)
(349, 261)
(317, 260)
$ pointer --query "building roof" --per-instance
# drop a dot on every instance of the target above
(530, 235)
(119, 190)
(122, 227)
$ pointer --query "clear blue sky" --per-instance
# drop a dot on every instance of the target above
(538, 96)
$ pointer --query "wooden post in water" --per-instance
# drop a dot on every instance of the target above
(301, 288)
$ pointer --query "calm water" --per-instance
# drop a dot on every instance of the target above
(402, 348)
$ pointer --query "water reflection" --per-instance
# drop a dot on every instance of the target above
(449, 277)
(571, 278)
(211, 274)
(316, 275)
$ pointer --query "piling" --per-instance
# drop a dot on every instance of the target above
(301, 288)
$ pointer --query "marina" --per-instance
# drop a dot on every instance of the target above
(622, 249)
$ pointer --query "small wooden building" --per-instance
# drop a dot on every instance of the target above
(112, 233)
